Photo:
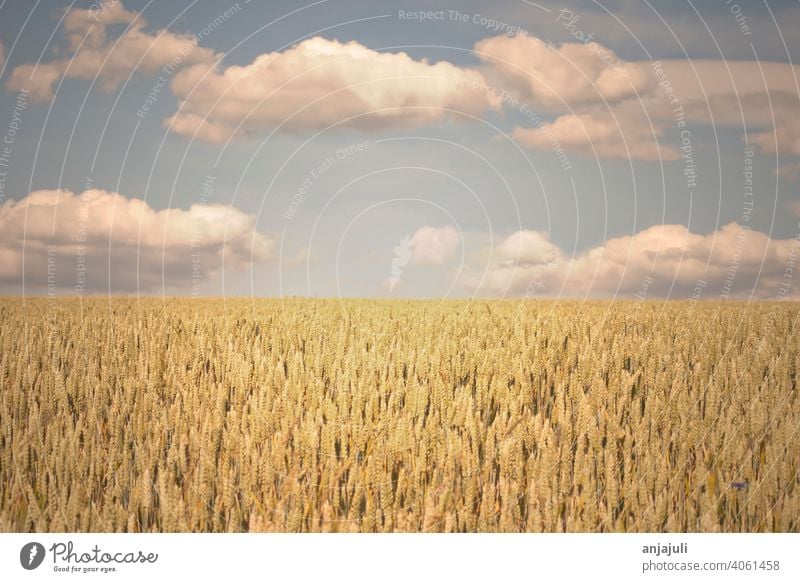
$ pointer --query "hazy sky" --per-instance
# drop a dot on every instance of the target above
(350, 148)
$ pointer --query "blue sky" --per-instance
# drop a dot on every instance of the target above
(344, 148)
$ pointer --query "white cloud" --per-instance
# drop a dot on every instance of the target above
(431, 245)
(319, 82)
(601, 98)
(590, 86)
(656, 262)
(93, 22)
(110, 60)
(758, 97)
(123, 241)
(783, 139)
(525, 248)
(769, 116)
(563, 76)
(704, 78)
(620, 135)
(764, 107)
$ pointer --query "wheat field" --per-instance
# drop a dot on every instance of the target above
(129, 414)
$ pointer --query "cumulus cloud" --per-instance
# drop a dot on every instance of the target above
(757, 97)
(581, 86)
(587, 86)
(105, 241)
(768, 116)
(94, 54)
(432, 245)
(526, 248)
(605, 134)
(595, 91)
(705, 78)
(783, 139)
(429, 245)
(663, 260)
(319, 82)
(562, 76)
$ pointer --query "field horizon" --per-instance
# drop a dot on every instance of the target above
(624, 299)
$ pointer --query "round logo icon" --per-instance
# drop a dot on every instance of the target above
(31, 555)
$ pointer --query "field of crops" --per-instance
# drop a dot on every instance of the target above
(359, 415)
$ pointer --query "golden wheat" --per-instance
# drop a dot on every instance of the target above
(358, 415)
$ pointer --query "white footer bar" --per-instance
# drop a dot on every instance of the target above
(355, 557)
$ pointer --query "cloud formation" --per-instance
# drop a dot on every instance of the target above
(558, 77)
(591, 88)
(605, 134)
(759, 98)
(593, 101)
(94, 54)
(429, 245)
(433, 245)
(661, 261)
(783, 139)
(603, 102)
(104, 241)
(319, 82)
